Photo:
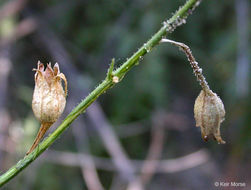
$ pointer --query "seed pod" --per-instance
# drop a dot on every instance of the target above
(49, 97)
(208, 109)
(209, 113)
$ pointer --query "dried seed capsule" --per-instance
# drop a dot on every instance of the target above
(49, 97)
(208, 109)
(209, 113)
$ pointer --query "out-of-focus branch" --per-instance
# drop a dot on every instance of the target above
(169, 120)
(242, 64)
(148, 169)
(88, 166)
(11, 8)
(5, 67)
(70, 159)
(27, 25)
(111, 142)
(242, 87)
(163, 166)
(22, 29)
(154, 153)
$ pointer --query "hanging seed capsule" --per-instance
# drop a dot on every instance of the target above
(209, 110)
(49, 97)
(209, 113)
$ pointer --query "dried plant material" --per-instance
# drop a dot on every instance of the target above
(49, 97)
(209, 113)
(209, 110)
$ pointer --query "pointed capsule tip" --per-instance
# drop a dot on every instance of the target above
(56, 69)
(40, 66)
(56, 66)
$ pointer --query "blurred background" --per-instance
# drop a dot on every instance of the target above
(141, 132)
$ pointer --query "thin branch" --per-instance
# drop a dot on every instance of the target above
(5, 68)
(11, 8)
(173, 165)
(177, 19)
(242, 74)
(111, 142)
(154, 153)
(156, 146)
(186, 162)
(88, 167)
(23, 28)
(170, 120)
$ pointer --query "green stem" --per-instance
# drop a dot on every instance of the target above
(177, 19)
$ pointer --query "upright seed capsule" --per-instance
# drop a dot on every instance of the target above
(49, 97)
(209, 113)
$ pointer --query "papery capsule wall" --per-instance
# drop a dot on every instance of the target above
(209, 113)
(49, 96)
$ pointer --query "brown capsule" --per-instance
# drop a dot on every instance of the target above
(209, 113)
(49, 97)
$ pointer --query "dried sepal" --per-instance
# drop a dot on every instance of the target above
(209, 113)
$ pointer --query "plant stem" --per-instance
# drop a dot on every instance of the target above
(194, 64)
(176, 20)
